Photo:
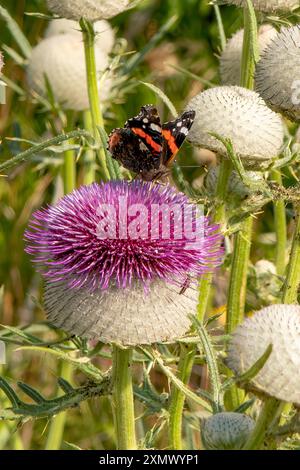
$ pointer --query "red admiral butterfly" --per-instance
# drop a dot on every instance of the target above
(146, 147)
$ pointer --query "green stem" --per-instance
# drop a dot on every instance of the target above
(242, 242)
(292, 281)
(273, 407)
(89, 157)
(57, 426)
(238, 276)
(250, 52)
(187, 356)
(69, 168)
(122, 399)
(178, 397)
(88, 34)
(27, 154)
(280, 227)
(222, 35)
(267, 414)
(69, 173)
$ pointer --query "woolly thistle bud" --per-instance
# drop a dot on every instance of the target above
(105, 37)
(226, 431)
(61, 59)
(278, 325)
(117, 287)
(240, 115)
(267, 6)
(263, 285)
(237, 190)
(230, 60)
(92, 10)
(278, 73)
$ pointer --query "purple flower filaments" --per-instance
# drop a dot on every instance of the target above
(120, 258)
(67, 240)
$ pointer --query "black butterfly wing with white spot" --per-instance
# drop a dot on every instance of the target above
(174, 133)
(147, 127)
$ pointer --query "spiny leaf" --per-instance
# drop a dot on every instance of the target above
(64, 385)
(9, 392)
(27, 154)
(134, 61)
(256, 368)
(180, 385)
(16, 32)
(31, 392)
(81, 363)
(163, 97)
(211, 361)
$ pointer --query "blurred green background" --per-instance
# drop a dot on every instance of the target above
(185, 55)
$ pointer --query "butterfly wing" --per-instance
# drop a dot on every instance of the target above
(130, 151)
(174, 133)
(147, 127)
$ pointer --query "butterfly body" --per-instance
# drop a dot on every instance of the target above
(147, 147)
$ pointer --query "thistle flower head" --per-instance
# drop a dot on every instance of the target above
(105, 37)
(267, 6)
(240, 115)
(226, 431)
(278, 325)
(61, 59)
(230, 59)
(278, 71)
(112, 251)
(92, 10)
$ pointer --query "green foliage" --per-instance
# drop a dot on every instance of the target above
(166, 52)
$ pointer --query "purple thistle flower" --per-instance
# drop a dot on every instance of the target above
(129, 239)
(65, 239)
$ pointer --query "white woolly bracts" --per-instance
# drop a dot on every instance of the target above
(277, 75)
(128, 316)
(104, 39)
(240, 115)
(61, 59)
(278, 325)
(92, 10)
(267, 6)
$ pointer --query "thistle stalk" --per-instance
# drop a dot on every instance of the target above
(88, 34)
(57, 425)
(122, 400)
(273, 407)
(242, 242)
(89, 157)
(187, 356)
(280, 227)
